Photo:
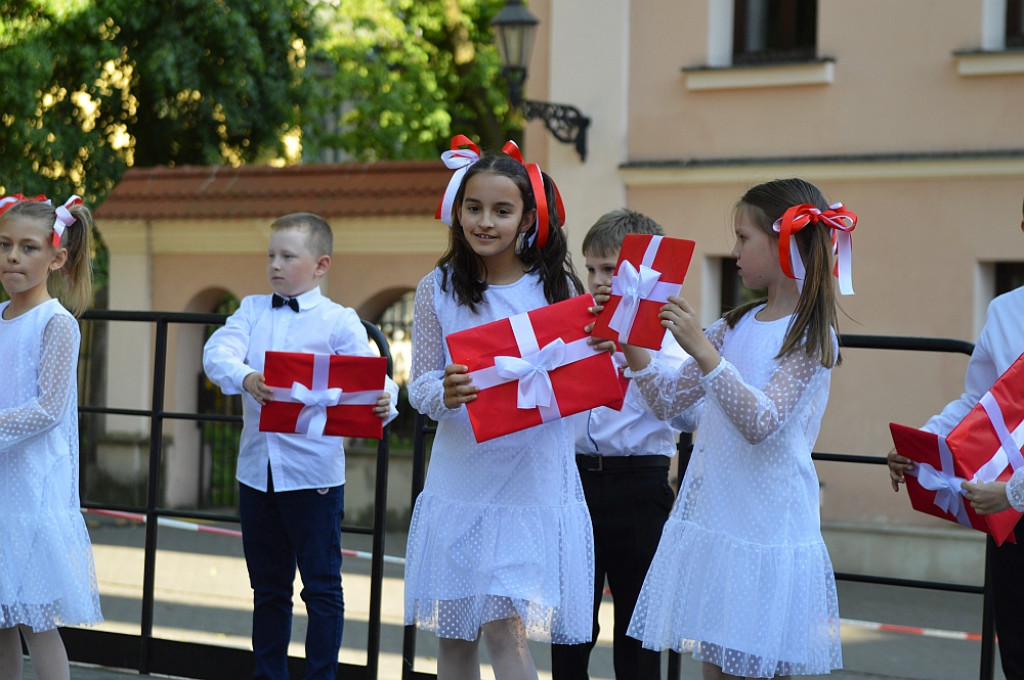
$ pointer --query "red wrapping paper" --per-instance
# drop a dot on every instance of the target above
(346, 414)
(649, 269)
(583, 380)
(982, 446)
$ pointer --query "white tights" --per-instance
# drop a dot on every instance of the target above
(506, 644)
(46, 649)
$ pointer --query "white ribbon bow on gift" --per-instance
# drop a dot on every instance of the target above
(946, 485)
(317, 399)
(633, 286)
(313, 416)
(531, 370)
(532, 367)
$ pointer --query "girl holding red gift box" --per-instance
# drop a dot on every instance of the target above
(47, 576)
(500, 543)
(742, 578)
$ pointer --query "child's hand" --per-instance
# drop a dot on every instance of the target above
(458, 387)
(986, 498)
(383, 408)
(681, 320)
(897, 466)
(256, 385)
(602, 294)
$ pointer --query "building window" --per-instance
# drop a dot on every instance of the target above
(733, 292)
(1009, 275)
(1014, 24)
(767, 31)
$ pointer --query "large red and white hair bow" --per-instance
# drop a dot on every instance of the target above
(64, 218)
(460, 160)
(838, 219)
(7, 201)
(540, 234)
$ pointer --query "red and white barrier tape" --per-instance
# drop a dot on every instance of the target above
(206, 529)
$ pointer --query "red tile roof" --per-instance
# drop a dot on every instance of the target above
(330, 190)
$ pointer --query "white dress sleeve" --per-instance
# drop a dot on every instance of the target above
(58, 373)
(667, 389)
(755, 413)
(1015, 490)
(426, 391)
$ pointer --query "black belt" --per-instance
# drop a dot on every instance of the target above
(599, 463)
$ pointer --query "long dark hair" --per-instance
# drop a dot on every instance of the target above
(468, 273)
(815, 318)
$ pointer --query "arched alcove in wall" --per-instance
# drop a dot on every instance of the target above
(199, 468)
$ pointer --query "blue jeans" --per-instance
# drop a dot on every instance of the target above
(279, 532)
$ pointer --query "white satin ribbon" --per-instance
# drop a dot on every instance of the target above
(1008, 453)
(634, 285)
(460, 161)
(64, 219)
(532, 368)
(317, 399)
(946, 485)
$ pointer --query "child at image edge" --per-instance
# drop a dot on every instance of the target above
(742, 578)
(47, 576)
(623, 458)
(500, 541)
(1000, 344)
(291, 487)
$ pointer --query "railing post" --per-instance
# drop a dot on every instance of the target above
(152, 496)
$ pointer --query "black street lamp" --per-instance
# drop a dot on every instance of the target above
(514, 30)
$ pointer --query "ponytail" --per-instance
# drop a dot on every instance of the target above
(815, 320)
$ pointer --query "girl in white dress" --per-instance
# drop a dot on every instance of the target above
(500, 541)
(742, 578)
(47, 577)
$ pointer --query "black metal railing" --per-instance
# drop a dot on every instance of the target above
(425, 428)
(148, 654)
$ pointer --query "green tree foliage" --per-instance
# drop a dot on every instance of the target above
(394, 79)
(91, 87)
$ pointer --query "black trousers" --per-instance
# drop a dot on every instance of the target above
(1008, 590)
(628, 508)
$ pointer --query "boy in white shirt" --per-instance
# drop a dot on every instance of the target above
(291, 488)
(623, 458)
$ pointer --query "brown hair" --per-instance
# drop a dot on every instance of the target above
(815, 319)
(72, 283)
(605, 236)
(319, 237)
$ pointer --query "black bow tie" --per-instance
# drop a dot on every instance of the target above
(278, 301)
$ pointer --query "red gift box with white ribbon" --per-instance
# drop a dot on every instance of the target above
(535, 367)
(323, 395)
(984, 447)
(649, 270)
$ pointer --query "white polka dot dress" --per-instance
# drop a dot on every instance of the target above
(501, 528)
(47, 577)
(742, 578)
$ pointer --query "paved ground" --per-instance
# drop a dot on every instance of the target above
(203, 595)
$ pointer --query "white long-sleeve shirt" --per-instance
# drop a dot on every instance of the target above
(1000, 344)
(237, 349)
